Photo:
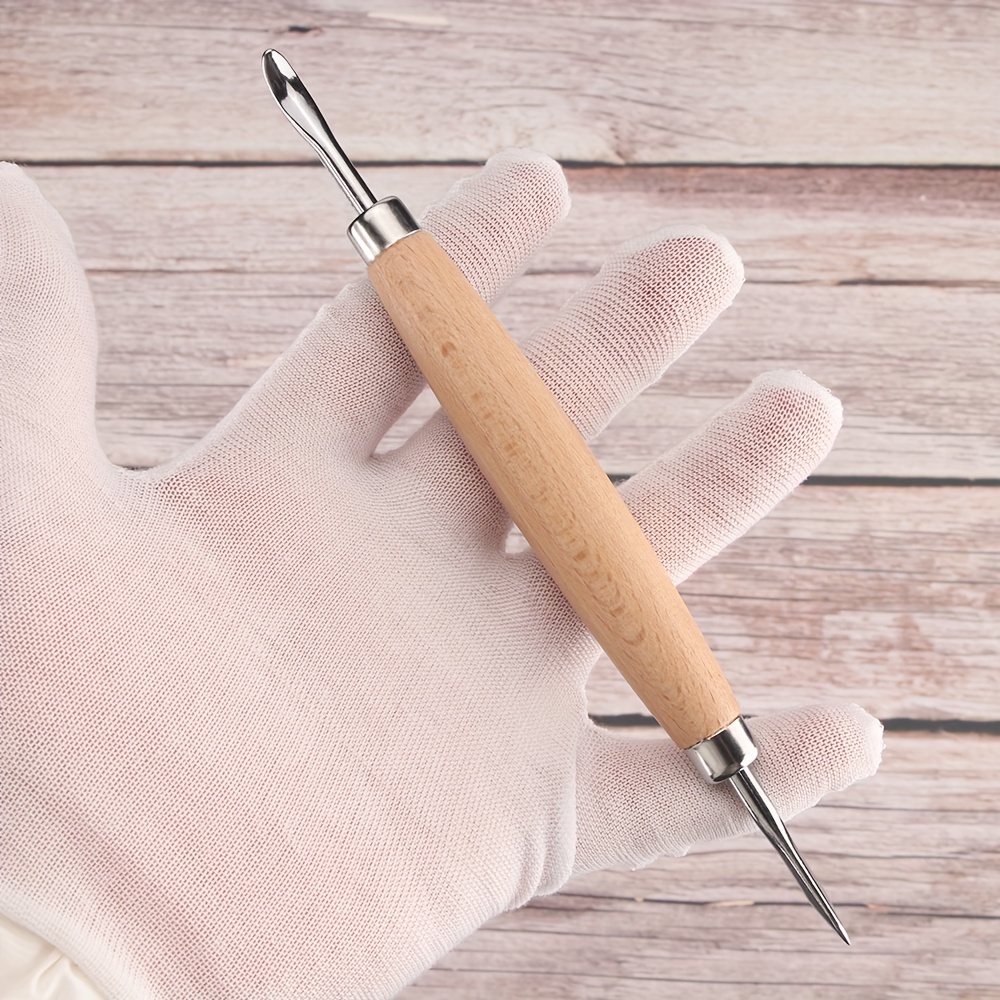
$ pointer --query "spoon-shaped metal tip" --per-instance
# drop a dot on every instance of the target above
(278, 71)
(762, 809)
(301, 110)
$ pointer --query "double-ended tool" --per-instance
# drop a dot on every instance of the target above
(552, 486)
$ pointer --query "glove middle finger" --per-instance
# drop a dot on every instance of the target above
(649, 302)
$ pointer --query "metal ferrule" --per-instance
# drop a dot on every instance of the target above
(722, 754)
(386, 222)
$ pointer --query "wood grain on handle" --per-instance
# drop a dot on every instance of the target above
(554, 489)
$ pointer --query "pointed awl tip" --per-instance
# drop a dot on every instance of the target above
(749, 791)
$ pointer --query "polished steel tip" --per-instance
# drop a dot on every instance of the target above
(301, 110)
(749, 791)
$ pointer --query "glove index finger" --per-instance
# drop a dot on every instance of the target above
(348, 377)
(492, 222)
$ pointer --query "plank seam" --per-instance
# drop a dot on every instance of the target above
(899, 724)
(567, 164)
(899, 481)
(903, 482)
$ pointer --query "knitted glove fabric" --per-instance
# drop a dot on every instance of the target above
(283, 718)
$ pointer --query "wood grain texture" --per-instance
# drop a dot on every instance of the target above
(643, 82)
(792, 225)
(549, 482)
(202, 277)
(908, 857)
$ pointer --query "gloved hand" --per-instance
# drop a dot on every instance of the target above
(281, 718)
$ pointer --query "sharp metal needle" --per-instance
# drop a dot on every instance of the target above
(749, 791)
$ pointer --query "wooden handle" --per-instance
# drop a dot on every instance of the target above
(554, 489)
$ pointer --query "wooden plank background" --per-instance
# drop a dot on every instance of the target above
(850, 151)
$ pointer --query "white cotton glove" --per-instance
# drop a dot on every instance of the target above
(281, 718)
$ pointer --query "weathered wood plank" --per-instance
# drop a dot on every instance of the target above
(908, 857)
(636, 83)
(712, 956)
(203, 276)
(885, 596)
(790, 224)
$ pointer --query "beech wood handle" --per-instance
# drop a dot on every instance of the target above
(545, 475)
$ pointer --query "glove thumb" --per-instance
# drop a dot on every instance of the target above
(48, 339)
(638, 799)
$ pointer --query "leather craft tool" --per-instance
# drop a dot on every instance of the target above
(549, 482)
